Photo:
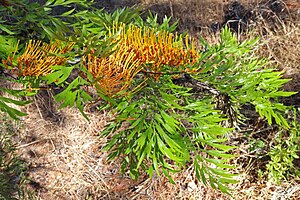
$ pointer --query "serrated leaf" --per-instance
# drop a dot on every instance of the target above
(220, 146)
(59, 76)
(172, 144)
(169, 120)
(136, 122)
(69, 100)
(170, 99)
(68, 12)
(140, 160)
(222, 188)
(52, 34)
(154, 163)
(6, 30)
(16, 102)
(167, 174)
(12, 112)
(221, 172)
(166, 151)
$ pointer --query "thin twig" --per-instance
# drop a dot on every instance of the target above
(206, 87)
(28, 144)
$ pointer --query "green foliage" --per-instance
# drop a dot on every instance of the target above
(25, 19)
(164, 129)
(105, 20)
(5, 107)
(284, 152)
(73, 94)
(152, 22)
(12, 168)
(99, 20)
(7, 44)
(232, 69)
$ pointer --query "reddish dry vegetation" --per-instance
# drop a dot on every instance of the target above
(63, 150)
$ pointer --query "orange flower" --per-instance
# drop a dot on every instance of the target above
(38, 58)
(139, 49)
(156, 50)
(115, 73)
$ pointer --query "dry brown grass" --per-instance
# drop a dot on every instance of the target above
(64, 157)
(64, 150)
(282, 46)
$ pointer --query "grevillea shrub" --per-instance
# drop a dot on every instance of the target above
(170, 100)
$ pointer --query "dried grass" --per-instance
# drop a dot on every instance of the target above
(281, 45)
(65, 158)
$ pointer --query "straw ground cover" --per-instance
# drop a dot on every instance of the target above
(62, 149)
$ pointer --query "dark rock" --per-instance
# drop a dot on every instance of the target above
(236, 16)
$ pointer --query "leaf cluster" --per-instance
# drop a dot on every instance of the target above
(12, 168)
(164, 129)
(233, 69)
(25, 19)
(285, 152)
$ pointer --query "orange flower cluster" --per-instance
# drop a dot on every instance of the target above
(156, 50)
(115, 73)
(38, 58)
(139, 49)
